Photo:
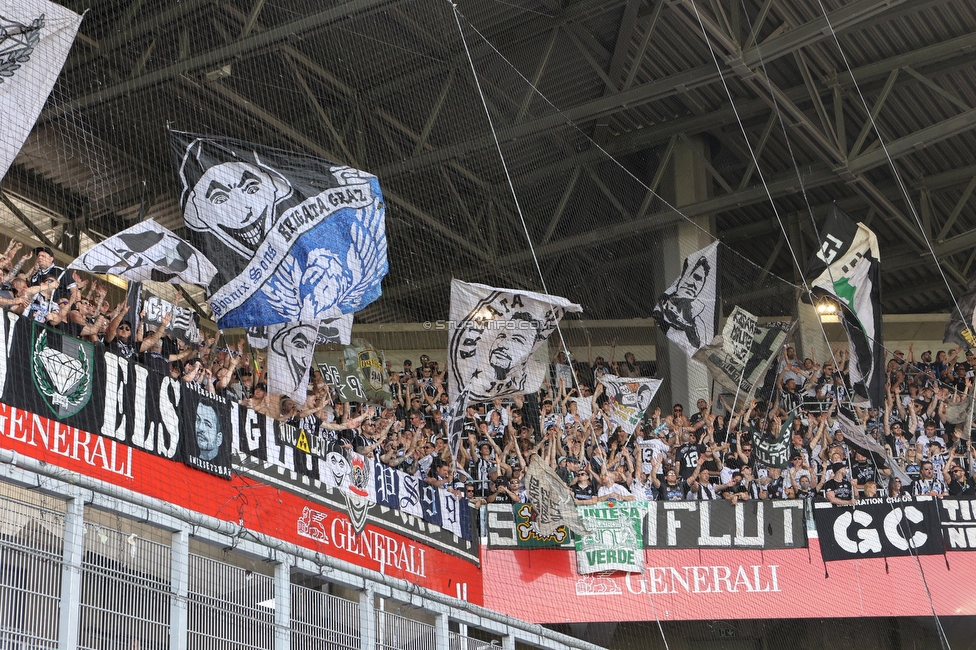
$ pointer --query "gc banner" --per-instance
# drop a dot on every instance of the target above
(879, 528)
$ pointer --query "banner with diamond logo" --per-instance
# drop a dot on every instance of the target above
(55, 375)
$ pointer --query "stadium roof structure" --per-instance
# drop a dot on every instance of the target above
(386, 86)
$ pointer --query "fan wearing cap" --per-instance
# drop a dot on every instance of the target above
(47, 274)
(959, 483)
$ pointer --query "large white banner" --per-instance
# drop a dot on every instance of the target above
(494, 334)
(35, 36)
(688, 310)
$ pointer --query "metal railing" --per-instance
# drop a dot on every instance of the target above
(321, 620)
(31, 545)
(395, 632)
(125, 593)
(230, 608)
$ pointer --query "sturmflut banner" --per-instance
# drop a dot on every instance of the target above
(756, 524)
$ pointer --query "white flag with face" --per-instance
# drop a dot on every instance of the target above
(629, 398)
(291, 348)
(688, 310)
(35, 36)
(147, 251)
(494, 334)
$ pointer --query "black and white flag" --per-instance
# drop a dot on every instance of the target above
(147, 252)
(629, 398)
(847, 272)
(294, 238)
(35, 37)
(332, 331)
(959, 327)
(291, 348)
(739, 358)
(688, 310)
(552, 501)
(855, 436)
(494, 335)
(183, 325)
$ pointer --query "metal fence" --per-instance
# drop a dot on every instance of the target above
(31, 544)
(125, 592)
(125, 587)
(462, 642)
(398, 633)
(229, 607)
(321, 621)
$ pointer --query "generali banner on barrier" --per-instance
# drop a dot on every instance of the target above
(254, 505)
(74, 406)
(702, 584)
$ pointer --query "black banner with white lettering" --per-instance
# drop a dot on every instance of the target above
(879, 528)
(78, 384)
(958, 523)
(766, 524)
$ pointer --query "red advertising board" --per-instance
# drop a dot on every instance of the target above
(542, 586)
(255, 505)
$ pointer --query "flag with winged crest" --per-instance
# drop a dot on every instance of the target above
(295, 238)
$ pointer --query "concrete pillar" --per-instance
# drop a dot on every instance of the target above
(442, 632)
(74, 551)
(282, 601)
(508, 641)
(367, 619)
(685, 380)
(180, 585)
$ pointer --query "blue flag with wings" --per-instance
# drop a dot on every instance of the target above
(295, 238)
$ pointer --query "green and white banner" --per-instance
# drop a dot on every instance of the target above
(615, 542)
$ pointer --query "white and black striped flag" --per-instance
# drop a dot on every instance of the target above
(144, 252)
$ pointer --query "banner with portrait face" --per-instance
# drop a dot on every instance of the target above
(494, 334)
(291, 348)
(295, 238)
(688, 310)
(205, 422)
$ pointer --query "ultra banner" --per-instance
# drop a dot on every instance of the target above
(79, 385)
(766, 524)
(879, 528)
(310, 465)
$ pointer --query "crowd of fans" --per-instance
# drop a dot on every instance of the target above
(674, 454)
